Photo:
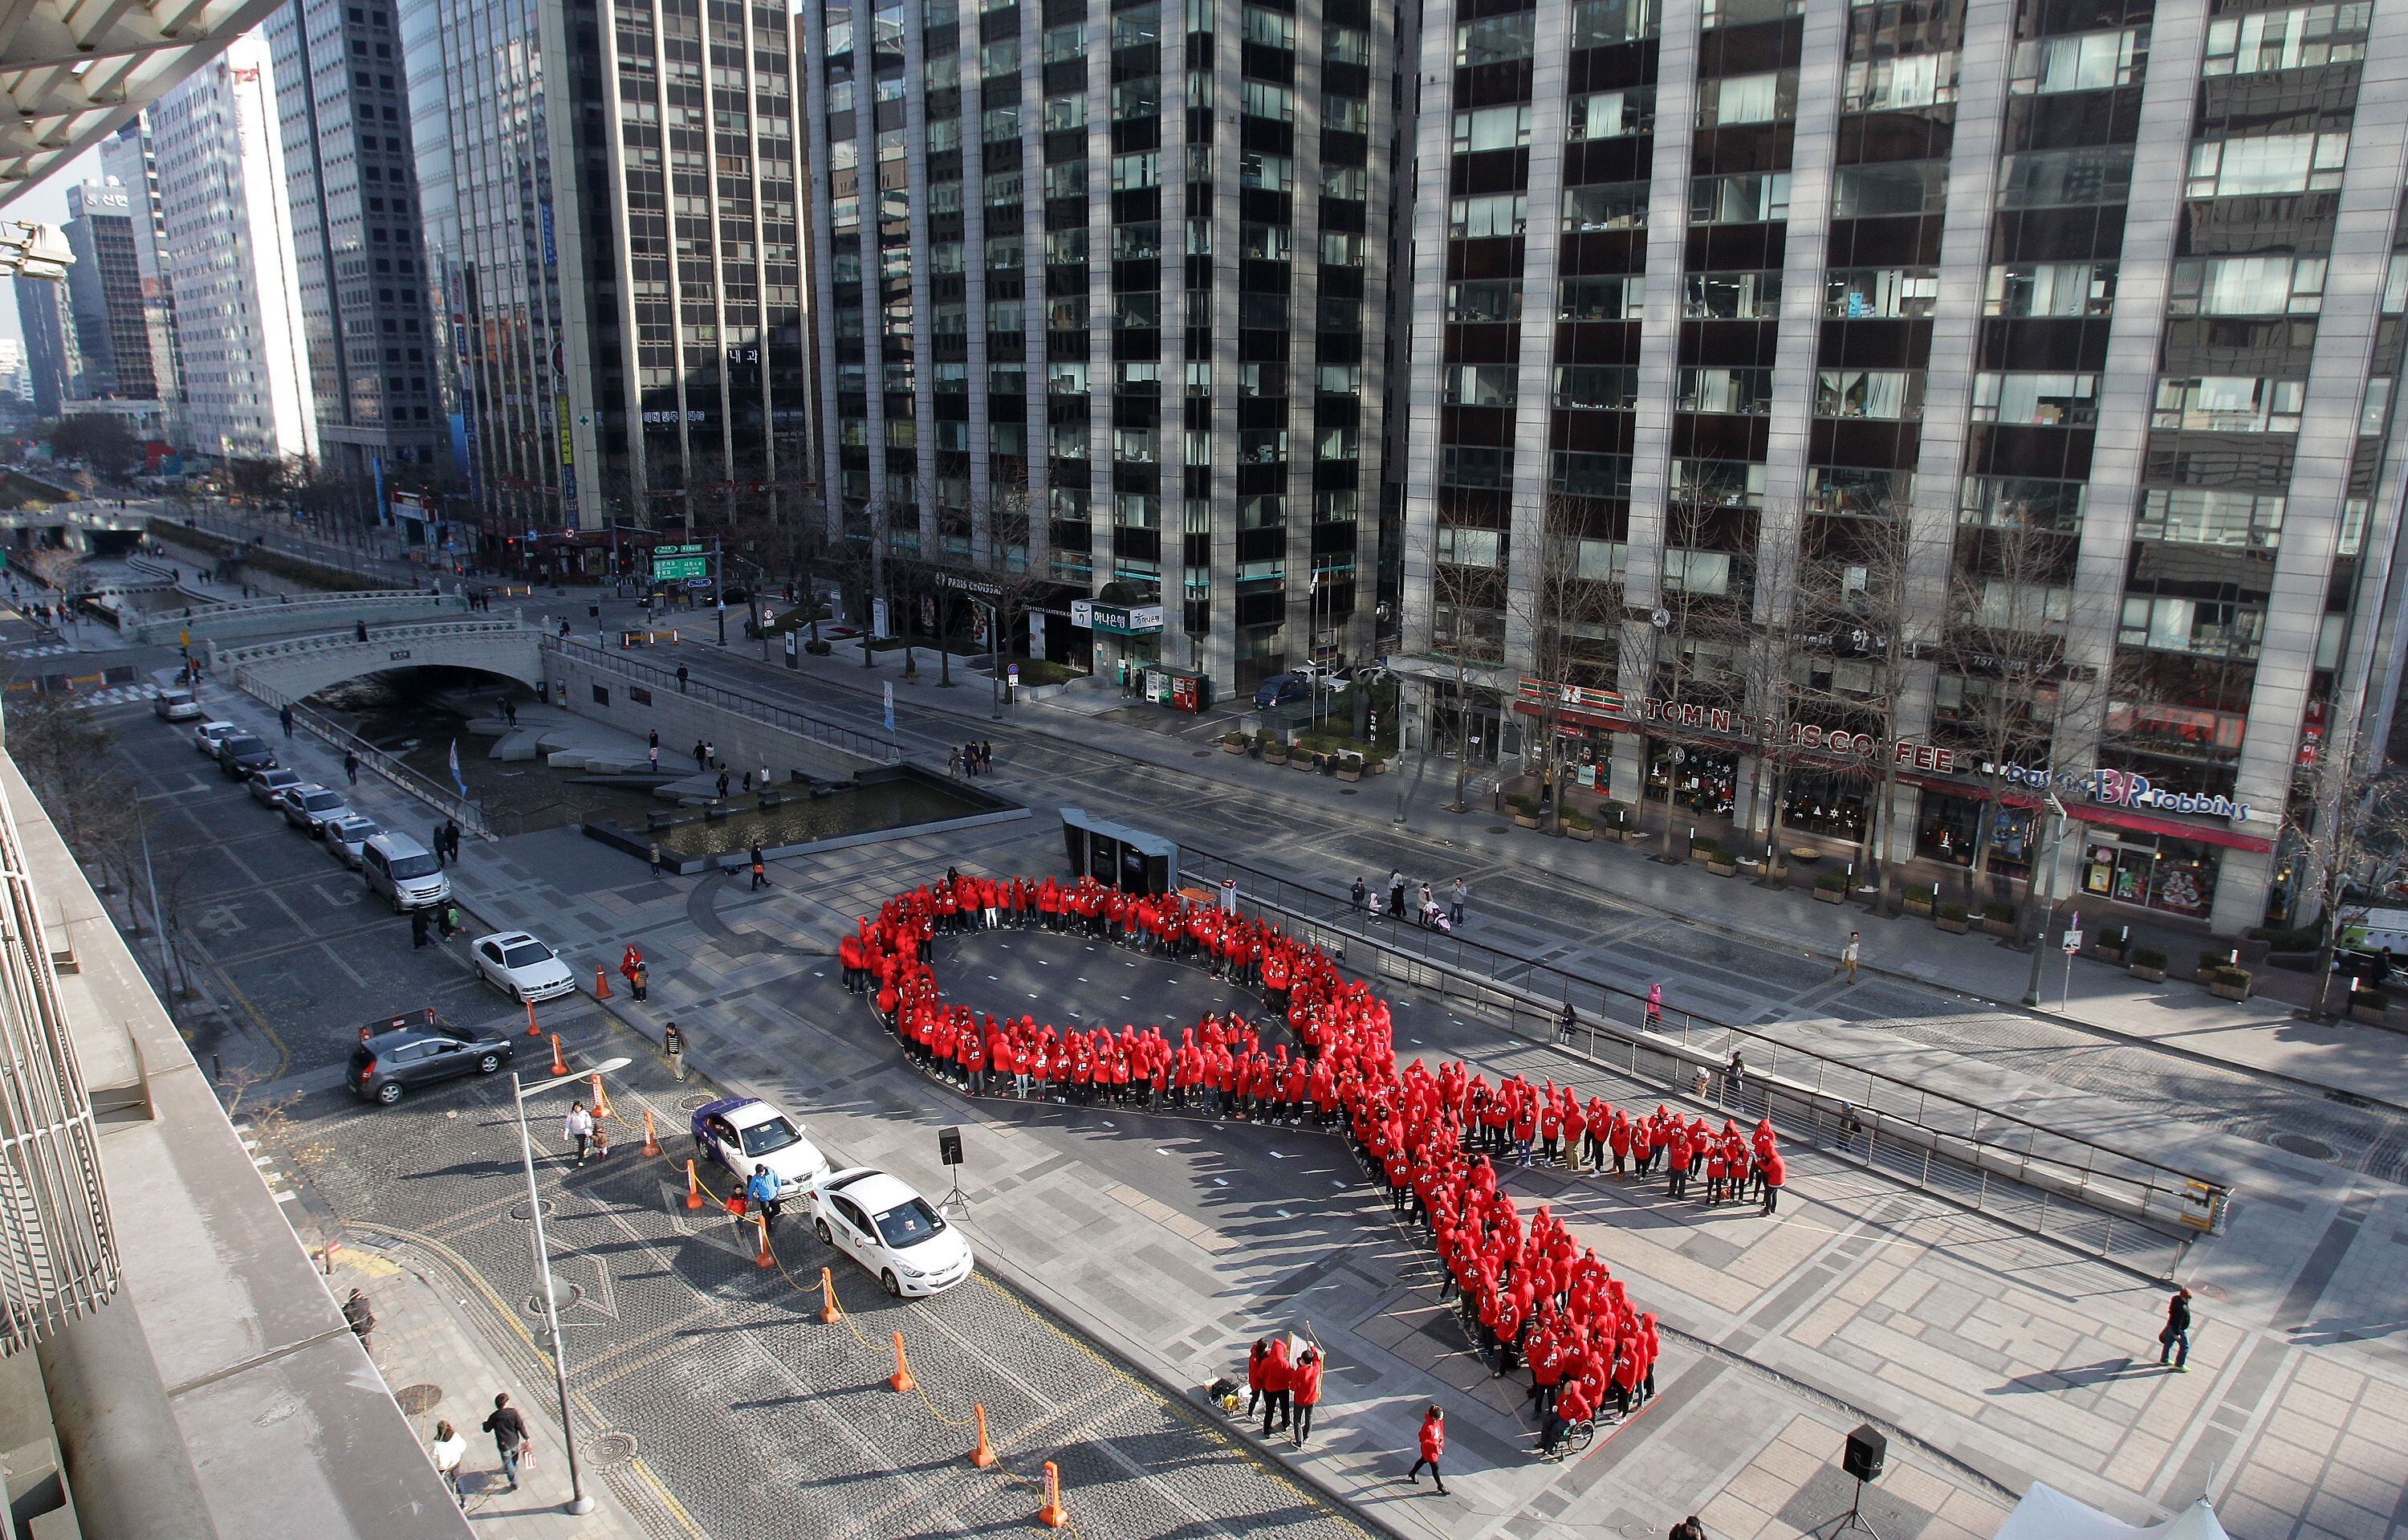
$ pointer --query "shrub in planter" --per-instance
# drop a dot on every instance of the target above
(1831, 888)
(1579, 825)
(1350, 767)
(2210, 963)
(1999, 919)
(2148, 963)
(2114, 941)
(1950, 918)
(2368, 1004)
(1919, 900)
(1525, 810)
(1234, 741)
(1721, 862)
(2230, 983)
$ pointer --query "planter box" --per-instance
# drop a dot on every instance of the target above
(2205, 976)
(1825, 894)
(1919, 906)
(1998, 927)
(1723, 869)
(2228, 991)
(1580, 833)
(1350, 772)
(2374, 1016)
(1275, 757)
(1954, 928)
(1234, 748)
(2153, 975)
(2111, 954)
(1525, 820)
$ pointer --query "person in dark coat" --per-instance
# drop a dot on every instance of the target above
(2173, 1343)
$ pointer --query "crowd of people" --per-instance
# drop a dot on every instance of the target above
(1530, 1295)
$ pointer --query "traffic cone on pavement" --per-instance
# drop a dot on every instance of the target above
(559, 1065)
(829, 1314)
(693, 1187)
(762, 1257)
(652, 1146)
(901, 1378)
(601, 983)
(601, 1099)
(981, 1455)
(533, 1030)
(1053, 1515)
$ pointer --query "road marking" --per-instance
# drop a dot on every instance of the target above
(1219, 1183)
(287, 1197)
(1282, 1214)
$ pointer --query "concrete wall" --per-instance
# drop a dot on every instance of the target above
(268, 618)
(302, 666)
(589, 688)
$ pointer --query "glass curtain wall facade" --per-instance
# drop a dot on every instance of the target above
(1099, 300)
(127, 155)
(1739, 289)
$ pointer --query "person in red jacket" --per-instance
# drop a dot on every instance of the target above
(1433, 1442)
(1570, 1408)
(1277, 1372)
(1772, 1172)
(1254, 1361)
(1304, 1387)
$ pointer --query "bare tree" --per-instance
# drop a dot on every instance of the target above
(1466, 627)
(1705, 622)
(2347, 826)
(70, 759)
(1571, 605)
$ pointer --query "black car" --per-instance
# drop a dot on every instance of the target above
(389, 1065)
(239, 754)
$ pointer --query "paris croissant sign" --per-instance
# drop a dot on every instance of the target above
(1117, 620)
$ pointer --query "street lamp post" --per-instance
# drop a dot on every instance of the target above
(2048, 895)
(579, 1500)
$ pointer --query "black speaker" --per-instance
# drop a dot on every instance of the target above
(1868, 1451)
(948, 1150)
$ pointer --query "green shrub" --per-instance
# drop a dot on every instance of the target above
(1577, 820)
(1523, 804)
(1617, 816)
(2148, 957)
(1950, 912)
(1237, 738)
(2115, 935)
(2231, 978)
(2303, 938)
(1832, 882)
(2004, 914)
(2210, 961)
(2365, 998)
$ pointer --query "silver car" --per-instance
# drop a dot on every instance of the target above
(310, 807)
(269, 786)
(345, 836)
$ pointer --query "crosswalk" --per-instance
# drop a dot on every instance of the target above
(54, 649)
(116, 695)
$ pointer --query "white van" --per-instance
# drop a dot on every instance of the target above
(405, 871)
(2379, 930)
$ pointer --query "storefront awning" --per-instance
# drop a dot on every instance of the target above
(2107, 817)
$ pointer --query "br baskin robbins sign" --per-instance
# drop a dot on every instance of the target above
(2116, 788)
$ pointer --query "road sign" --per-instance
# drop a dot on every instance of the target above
(2073, 936)
(1012, 676)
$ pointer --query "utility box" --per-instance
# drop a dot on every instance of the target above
(1119, 856)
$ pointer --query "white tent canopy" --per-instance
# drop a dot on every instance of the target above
(2047, 1514)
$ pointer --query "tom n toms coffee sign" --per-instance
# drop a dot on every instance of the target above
(1722, 721)
(2121, 789)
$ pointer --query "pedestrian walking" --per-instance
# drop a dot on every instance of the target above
(1359, 892)
(652, 755)
(510, 710)
(1433, 1446)
(449, 1450)
(359, 1317)
(1255, 1358)
(1455, 907)
(1848, 955)
(673, 1045)
(653, 739)
(284, 716)
(509, 1430)
(419, 927)
(2173, 1343)
(953, 762)
(760, 870)
(451, 838)
(640, 980)
(1277, 1374)
(351, 766)
(761, 1194)
(701, 757)
(986, 757)
(652, 853)
(1734, 1076)
(579, 1129)
(1395, 893)
(723, 782)
(1691, 1527)
(1654, 1022)
(359, 630)
(1566, 1020)
(1304, 1389)
(764, 782)
(1771, 1173)
(435, 846)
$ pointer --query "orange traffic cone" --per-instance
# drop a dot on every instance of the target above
(559, 1065)
(601, 1097)
(762, 1257)
(829, 1314)
(981, 1456)
(601, 983)
(533, 1030)
(652, 1146)
(693, 1187)
(1053, 1515)
(901, 1378)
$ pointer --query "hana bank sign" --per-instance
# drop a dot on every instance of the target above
(2122, 789)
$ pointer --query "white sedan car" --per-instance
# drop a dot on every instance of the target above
(207, 735)
(521, 967)
(344, 838)
(745, 1134)
(882, 1223)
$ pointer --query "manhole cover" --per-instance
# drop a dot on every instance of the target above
(607, 1451)
(1350, 791)
(1201, 754)
(695, 1102)
(519, 1212)
(2300, 1143)
(417, 1400)
(1496, 828)
(2210, 1292)
(567, 1293)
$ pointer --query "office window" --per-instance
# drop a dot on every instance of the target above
(1596, 387)
(1596, 298)
(1731, 296)
(1496, 39)
(1495, 299)
(1887, 293)
(1498, 214)
(2266, 163)
(1615, 206)
(1888, 394)
(2054, 289)
(1480, 384)
(1272, 173)
(1608, 115)
(2050, 179)
(2198, 515)
(1740, 392)
(2229, 404)
(2024, 502)
(1884, 85)
(2084, 60)
(1600, 24)
(2307, 37)
(1752, 198)
(1491, 128)
(1261, 99)
(2036, 400)
(2268, 285)
(1898, 187)
(1770, 97)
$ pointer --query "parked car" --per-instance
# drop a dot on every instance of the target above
(744, 1133)
(175, 705)
(310, 807)
(239, 754)
(269, 784)
(1333, 679)
(403, 872)
(1279, 690)
(344, 838)
(391, 1065)
(521, 967)
(881, 1222)
(209, 735)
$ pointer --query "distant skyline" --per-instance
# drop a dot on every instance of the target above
(46, 203)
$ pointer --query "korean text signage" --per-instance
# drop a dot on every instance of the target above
(676, 563)
(1117, 620)
(1723, 721)
(2123, 789)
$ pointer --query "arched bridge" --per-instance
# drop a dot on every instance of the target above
(297, 667)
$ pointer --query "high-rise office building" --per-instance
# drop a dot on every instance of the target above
(229, 244)
(2091, 312)
(1099, 291)
(12, 368)
(614, 245)
(342, 109)
(126, 156)
(47, 322)
(104, 288)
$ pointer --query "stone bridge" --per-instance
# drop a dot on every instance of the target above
(278, 671)
(242, 619)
